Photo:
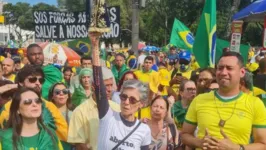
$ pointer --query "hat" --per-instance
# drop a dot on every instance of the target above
(185, 55)
(85, 72)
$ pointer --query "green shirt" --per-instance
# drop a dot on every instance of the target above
(31, 142)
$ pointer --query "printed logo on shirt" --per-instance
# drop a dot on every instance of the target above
(125, 143)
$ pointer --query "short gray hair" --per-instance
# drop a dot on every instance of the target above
(136, 84)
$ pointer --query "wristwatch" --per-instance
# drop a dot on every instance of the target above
(242, 147)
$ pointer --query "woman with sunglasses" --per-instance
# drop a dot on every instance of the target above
(25, 128)
(119, 130)
(60, 96)
(164, 135)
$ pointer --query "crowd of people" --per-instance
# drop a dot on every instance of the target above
(156, 101)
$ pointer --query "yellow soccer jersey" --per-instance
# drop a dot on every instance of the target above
(247, 111)
(144, 113)
(151, 76)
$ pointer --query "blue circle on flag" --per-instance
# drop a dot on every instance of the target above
(190, 38)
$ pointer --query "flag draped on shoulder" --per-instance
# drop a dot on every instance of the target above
(181, 36)
(205, 40)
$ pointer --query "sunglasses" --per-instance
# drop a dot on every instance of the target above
(29, 101)
(132, 100)
(34, 79)
(64, 91)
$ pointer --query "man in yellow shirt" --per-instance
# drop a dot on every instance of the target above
(147, 75)
(227, 117)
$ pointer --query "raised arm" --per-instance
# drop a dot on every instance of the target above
(100, 90)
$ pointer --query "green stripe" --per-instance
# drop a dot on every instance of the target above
(259, 126)
(190, 122)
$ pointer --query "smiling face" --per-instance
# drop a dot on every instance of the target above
(30, 110)
(228, 73)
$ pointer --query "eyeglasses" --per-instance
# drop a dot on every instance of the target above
(58, 91)
(34, 79)
(191, 89)
(29, 101)
(132, 100)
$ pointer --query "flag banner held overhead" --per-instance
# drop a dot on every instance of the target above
(114, 18)
(60, 25)
(205, 41)
(181, 36)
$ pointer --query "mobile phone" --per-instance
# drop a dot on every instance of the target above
(178, 74)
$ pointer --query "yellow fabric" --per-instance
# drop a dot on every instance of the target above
(108, 64)
(2, 58)
(84, 123)
(144, 113)
(195, 65)
(150, 78)
(252, 66)
(12, 77)
(257, 91)
(251, 54)
(59, 120)
(249, 111)
(74, 69)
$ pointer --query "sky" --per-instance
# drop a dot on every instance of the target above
(33, 2)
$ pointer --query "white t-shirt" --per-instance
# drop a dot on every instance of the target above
(141, 59)
(112, 130)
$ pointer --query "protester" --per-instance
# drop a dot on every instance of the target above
(187, 93)
(84, 123)
(67, 72)
(114, 126)
(205, 77)
(85, 62)
(25, 128)
(120, 68)
(227, 117)
(84, 90)
(60, 96)
(8, 67)
(132, 60)
(164, 135)
(32, 76)
(52, 74)
(141, 59)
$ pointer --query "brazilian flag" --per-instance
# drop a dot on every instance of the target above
(181, 36)
(205, 42)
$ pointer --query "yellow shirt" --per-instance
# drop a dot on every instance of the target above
(12, 77)
(252, 66)
(84, 123)
(144, 113)
(147, 77)
(248, 111)
(257, 91)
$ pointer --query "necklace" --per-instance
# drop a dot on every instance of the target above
(222, 121)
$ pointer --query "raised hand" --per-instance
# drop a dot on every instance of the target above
(226, 143)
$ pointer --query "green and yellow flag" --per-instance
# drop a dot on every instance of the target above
(205, 42)
(181, 36)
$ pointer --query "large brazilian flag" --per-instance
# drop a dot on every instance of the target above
(181, 36)
(205, 41)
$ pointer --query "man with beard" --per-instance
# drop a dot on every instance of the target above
(226, 117)
(52, 74)
(8, 67)
(32, 76)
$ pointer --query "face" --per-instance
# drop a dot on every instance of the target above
(86, 64)
(228, 73)
(85, 81)
(67, 75)
(203, 78)
(17, 66)
(127, 107)
(109, 87)
(34, 82)
(8, 67)
(147, 65)
(25, 61)
(119, 61)
(30, 105)
(172, 51)
(35, 56)
(159, 109)
(60, 95)
(189, 91)
(129, 77)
